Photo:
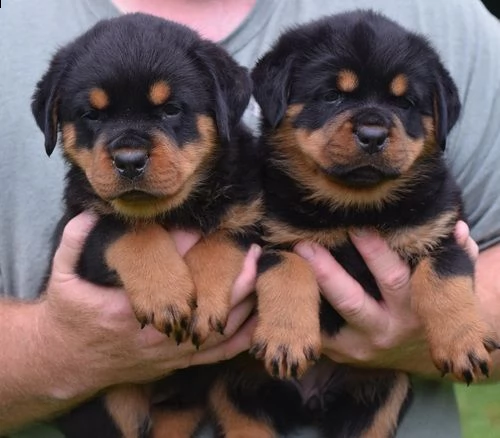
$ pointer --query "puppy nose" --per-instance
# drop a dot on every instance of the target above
(130, 163)
(371, 139)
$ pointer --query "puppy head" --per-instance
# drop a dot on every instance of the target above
(142, 104)
(355, 98)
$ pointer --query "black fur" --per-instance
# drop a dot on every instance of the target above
(301, 70)
(125, 56)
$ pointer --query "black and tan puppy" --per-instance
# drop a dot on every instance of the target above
(356, 111)
(149, 118)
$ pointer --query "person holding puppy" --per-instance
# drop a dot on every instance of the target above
(36, 383)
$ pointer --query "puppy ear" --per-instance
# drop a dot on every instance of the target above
(231, 85)
(44, 105)
(446, 105)
(271, 77)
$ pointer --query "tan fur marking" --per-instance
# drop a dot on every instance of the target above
(282, 233)
(284, 334)
(171, 176)
(159, 93)
(234, 423)
(386, 419)
(98, 98)
(176, 424)
(303, 154)
(347, 81)
(154, 276)
(214, 262)
(399, 85)
(449, 312)
(173, 172)
(420, 240)
(128, 405)
(240, 217)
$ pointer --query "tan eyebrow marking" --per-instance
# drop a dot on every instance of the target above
(98, 98)
(399, 85)
(347, 81)
(159, 93)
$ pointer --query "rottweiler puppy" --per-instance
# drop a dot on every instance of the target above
(149, 117)
(355, 115)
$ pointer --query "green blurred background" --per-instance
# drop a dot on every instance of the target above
(480, 405)
(480, 410)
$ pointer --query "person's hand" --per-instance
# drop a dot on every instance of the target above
(383, 334)
(95, 337)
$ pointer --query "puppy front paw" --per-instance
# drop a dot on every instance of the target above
(286, 353)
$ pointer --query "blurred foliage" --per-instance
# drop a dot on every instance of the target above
(479, 410)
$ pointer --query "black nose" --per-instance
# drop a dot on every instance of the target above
(371, 139)
(130, 163)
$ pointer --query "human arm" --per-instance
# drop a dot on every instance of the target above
(388, 334)
(82, 338)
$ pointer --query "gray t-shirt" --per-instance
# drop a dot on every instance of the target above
(464, 33)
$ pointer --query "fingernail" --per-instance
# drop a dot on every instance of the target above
(360, 232)
(306, 250)
(89, 219)
(255, 250)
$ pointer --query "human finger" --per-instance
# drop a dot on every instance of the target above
(342, 291)
(391, 273)
(236, 344)
(72, 241)
(245, 283)
(464, 239)
(184, 240)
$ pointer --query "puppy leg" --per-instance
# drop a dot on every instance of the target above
(287, 336)
(214, 263)
(388, 414)
(443, 297)
(232, 422)
(155, 277)
(365, 404)
(128, 405)
(176, 423)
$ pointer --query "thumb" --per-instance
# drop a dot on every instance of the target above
(72, 241)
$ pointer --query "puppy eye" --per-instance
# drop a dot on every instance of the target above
(171, 109)
(406, 102)
(332, 96)
(91, 115)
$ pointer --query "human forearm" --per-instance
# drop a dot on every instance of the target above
(488, 291)
(31, 365)
(82, 338)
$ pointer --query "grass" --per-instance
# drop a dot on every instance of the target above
(479, 410)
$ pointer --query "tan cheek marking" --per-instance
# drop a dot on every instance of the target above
(399, 85)
(159, 93)
(98, 98)
(300, 152)
(347, 81)
(174, 172)
(403, 150)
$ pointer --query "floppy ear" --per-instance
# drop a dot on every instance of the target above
(44, 105)
(446, 105)
(271, 77)
(232, 86)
